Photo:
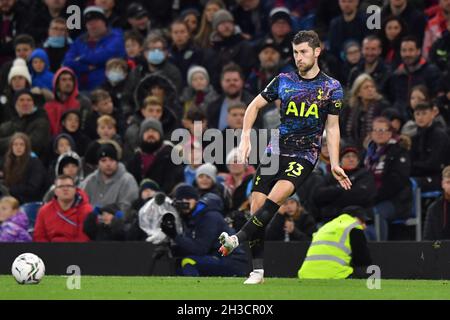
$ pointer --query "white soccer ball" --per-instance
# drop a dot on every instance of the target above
(28, 268)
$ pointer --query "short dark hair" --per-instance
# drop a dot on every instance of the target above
(24, 39)
(135, 36)
(309, 36)
(410, 38)
(179, 21)
(195, 114)
(155, 36)
(232, 67)
(373, 37)
(423, 106)
(99, 95)
(64, 177)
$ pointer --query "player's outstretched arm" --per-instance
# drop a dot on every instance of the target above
(333, 138)
(249, 119)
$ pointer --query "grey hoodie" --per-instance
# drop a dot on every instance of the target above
(121, 189)
(51, 192)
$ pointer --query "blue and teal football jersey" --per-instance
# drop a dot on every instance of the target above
(305, 105)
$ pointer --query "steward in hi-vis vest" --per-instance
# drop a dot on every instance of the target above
(338, 248)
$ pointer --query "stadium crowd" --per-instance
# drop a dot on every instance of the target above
(86, 116)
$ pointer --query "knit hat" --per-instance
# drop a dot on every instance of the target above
(94, 12)
(19, 68)
(107, 150)
(209, 169)
(280, 13)
(151, 124)
(221, 16)
(348, 150)
(294, 197)
(149, 184)
(186, 191)
(193, 70)
(69, 158)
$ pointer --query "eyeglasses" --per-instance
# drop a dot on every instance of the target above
(380, 130)
(65, 186)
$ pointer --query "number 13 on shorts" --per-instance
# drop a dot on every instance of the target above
(294, 170)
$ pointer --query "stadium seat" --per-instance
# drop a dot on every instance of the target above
(415, 218)
(31, 209)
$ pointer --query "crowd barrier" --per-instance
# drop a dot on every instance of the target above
(396, 259)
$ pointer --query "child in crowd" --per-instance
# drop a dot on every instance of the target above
(13, 222)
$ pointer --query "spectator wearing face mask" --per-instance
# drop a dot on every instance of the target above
(156, 62)
(57, 42)
(118, 86)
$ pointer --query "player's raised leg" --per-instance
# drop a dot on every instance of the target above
(279, 193)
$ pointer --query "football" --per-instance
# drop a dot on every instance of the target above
(28, 268)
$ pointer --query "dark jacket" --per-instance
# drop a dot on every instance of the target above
(400, 83)
(340, 31)
(202, 229)
(213, 110)
(98, 231)
(171, 103)
(40, 21)
(440, 52)
(331, 198)
(414, 20)
(437, 221)
(233, 49)
(166, 69)
(380, 74)
(35, 125)
(163, 170)
(428, 151)
(33, 184)
(361, 258)
(122, 96)
(391, 168)
(304, 228)
(185, 58)
(18, 25)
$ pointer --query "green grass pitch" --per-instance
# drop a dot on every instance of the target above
(178, 288)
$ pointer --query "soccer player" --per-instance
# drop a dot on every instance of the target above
(310, 102)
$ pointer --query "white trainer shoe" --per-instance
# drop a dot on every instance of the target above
(256, 277)
(229, 243)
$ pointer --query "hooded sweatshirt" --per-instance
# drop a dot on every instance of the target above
(15, 229)
(57, 107)
(42, 79)
(120, 189)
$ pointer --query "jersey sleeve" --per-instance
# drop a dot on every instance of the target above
(336, 99)
(270, 93)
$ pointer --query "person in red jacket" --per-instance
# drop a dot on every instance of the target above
(62, 219)
(67, 97)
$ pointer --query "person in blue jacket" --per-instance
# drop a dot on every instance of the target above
(41, 76)
(203, 222)
(89, 53)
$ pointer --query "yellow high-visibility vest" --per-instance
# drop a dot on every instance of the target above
(329, 254)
